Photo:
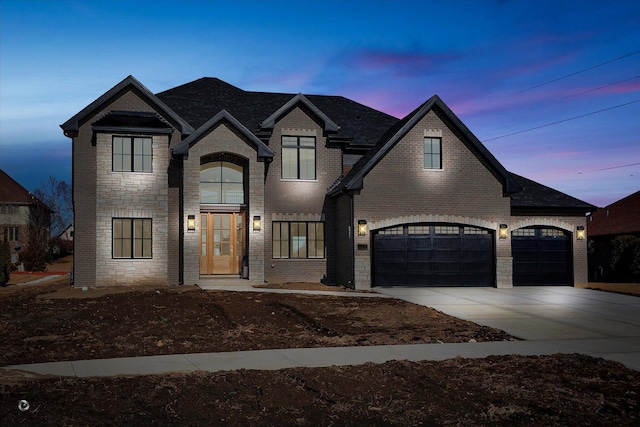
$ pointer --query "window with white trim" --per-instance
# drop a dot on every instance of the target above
(298, 157)
(298, 239)
(11, 234)
(132, 154)
(132, 238)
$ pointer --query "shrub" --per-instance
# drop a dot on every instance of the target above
(5, 263)
(625, 258)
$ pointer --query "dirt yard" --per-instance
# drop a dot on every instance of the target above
(53, 322)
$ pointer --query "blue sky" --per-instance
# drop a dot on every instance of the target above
(502, 66)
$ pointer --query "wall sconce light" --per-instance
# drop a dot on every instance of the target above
(191, 223)
(504, 232)
(257, 224)
(581, 234)
(362, 227)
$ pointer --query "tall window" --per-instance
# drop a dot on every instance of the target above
(132, 154)
(132, 238)
(298, 240)
(11, 234)
(432, 153)
(298, 157)
(221, 183)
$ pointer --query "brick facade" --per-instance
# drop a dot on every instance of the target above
(396, 190)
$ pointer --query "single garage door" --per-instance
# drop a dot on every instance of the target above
(541, 256)
(433, 255)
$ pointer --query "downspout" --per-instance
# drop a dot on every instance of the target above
(351, 243)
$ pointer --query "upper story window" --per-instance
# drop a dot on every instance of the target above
(8, 209)
(298, 157)
(432, 153)
(132, 154)
(221, 183)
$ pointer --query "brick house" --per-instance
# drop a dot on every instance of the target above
(207, 180)
(17, 205)
(621, 218)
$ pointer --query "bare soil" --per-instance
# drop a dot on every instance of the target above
(560, 390)
(53, 321)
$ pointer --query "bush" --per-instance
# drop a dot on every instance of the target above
(5, 263)
(625, 258)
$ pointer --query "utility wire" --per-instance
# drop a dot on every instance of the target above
(562, 121)
(609, 168)
(601, 87)
(577, 72)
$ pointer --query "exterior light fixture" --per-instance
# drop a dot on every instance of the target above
(362, 227)
(581, 234)
(504, 232)
(257, 224)
(191, 223)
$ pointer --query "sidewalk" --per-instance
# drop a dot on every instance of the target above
(550, 319)
(309, 357)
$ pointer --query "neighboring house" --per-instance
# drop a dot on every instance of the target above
(621, 218)
(204, 179)
(63, 242)
(17, 206)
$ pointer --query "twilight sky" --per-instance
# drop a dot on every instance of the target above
(551, 87)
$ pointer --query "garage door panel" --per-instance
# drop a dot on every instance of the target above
(542, 256)
(462, 259)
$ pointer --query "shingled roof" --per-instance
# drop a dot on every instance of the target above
(537, 198)
(200, 100)
(14, 193)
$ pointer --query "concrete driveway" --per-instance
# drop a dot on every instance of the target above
(571, 319)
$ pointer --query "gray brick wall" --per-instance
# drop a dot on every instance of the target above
(298, 200)
(223, 139)
(400, 190)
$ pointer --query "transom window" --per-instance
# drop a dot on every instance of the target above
(132, 238)
(221, 183)
(298, 239)
(432, 153)
(298, 157)
(132, 154)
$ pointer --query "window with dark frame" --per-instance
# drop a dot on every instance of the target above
(132, 154)
(298, 157)
(132, 238)
(432, 153)
(298, 240)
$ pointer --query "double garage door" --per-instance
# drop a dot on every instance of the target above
(455, 255)
(433, 255)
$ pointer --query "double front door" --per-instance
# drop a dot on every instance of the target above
(221, 243)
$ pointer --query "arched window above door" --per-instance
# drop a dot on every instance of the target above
(221, 183)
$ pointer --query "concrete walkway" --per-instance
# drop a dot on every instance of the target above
(551, 319)
(593, 322)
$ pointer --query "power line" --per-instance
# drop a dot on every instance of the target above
(612, 167)
(577, 72)
(601, 87)
(564, 120)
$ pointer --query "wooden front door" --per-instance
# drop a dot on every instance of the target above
(221, 243)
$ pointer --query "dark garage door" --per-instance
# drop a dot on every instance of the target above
(433, 255)
(541, 256)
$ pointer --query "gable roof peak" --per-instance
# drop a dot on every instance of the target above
(269, 122)
(71, 126)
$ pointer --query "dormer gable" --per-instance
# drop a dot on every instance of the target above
(329, 125)
(262, 150)
(130, 83)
